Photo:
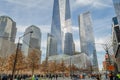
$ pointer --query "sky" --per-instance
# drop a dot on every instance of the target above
(39, 13)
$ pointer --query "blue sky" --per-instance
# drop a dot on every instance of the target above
(39, 13)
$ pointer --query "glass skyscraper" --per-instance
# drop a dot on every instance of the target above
(61, 24)
(31, 41)
(116, 4)
(7, 36)
(87, 38)
(116, 35)
(68, 42)
(7, 28)
(51, 45)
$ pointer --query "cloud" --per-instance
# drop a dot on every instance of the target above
(98, 4)
(31, 3)
(98, 43)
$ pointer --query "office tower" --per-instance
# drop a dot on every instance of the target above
(87, 38)
(7, 28)
(116, 34)
(7, 36)
(68, 42)
(116, 4)
(61, 23)
(51, 45)
(32, 40)
(116, 41)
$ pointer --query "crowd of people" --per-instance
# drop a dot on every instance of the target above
(99, 76)
(103, 76)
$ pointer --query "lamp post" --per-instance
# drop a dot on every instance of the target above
(70, 68)
(17, 49)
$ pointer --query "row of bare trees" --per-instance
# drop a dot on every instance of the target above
(31, 64)
(23, 63)
(54, 67)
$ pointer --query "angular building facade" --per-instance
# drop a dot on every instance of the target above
(7, 36)
(87, 38)
(61, 23)
(116, 41)
(32, 40)
(116, 32)
(51, 45)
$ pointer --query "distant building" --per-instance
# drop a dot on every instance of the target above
(87, 38)
(61, 24)
(32, 40)
(51, 45)
(7, 36)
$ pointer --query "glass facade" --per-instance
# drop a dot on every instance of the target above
(115, 34)
(116, 4)
(61, 23)
(7, 36)
(115, 21)
(31, 41)
(68, 42)
(7, 28)
(87, 38)
(51, 45)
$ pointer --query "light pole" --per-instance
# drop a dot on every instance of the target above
(70, 68)
(17, 49)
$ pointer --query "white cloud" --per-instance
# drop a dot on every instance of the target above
(31, 3)
(100, 43)
(98, 4)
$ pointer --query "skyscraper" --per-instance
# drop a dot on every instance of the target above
(116, 32)
(116, 4)
(7, 36)
(87, 38)
(61, 23)
(51, 45)
(31, 41)
(68, 42)
(115, 41)
(7, 28)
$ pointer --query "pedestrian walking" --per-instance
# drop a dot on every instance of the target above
(117, 76)
(111, 76)
(56, 76)
(33, 77)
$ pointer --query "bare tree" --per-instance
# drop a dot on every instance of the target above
(33, 60)
(20, 63)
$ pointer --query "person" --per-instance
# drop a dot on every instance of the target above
(33, 77)
(36, 78)
(97, 77)
(118, 76)
(111, 76)
(56, 76)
